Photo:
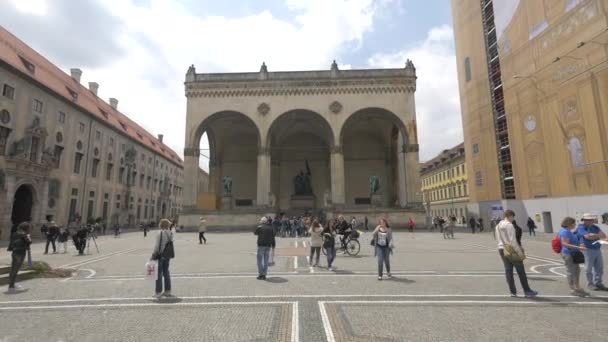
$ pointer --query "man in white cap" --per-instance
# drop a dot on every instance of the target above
(590, 234)
(202, 229)
(266, 240)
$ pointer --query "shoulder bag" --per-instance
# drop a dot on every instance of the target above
(578, 257)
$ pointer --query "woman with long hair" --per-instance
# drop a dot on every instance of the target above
(571, 251)
(383, 243)
(316, 241)
(329, 245)
(163, 252)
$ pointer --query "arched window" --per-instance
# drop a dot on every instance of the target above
(467, 69)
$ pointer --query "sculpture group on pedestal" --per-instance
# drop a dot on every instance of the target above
(227, 183)
(302, 183)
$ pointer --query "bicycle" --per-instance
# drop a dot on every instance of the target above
(350, 246)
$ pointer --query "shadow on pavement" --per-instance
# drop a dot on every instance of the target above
(276, 280)
(16, 293)
(401, 280)
(171, 300)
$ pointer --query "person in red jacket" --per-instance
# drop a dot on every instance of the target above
(411, 225)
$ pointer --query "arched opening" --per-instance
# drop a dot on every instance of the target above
(299, 142)
(371, 140)
(228, 143)
(163, 210)
(22, 205)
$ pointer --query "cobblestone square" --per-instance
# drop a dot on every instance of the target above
(442, 290)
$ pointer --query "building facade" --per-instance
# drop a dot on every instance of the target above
(533, 78)
(444, 184)
(67, 153)
(308, 140)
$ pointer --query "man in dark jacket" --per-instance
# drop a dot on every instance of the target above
(19, 245)
(531, 226)
(266, 241)
(51, 235)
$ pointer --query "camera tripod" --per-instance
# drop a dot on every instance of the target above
(92, 236)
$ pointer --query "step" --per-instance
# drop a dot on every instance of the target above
(5, 269)
(21, 276)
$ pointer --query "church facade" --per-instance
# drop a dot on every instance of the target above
(332, 141)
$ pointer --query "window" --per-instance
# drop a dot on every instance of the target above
(37, 106)
(61, 117)
(148, 182)
(8, 91)
(141, 181)
(475, 148)
(4, 132)
(111, 141)
(109, 171)
(98, 135)
(34, 149)
(77, 160)
(467, 69)
(464, 189)
(57, 153)
(94, 168)
(121, 175)
(478, 178)
(81, 127)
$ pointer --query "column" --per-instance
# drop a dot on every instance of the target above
(412, 174)
(402, 174)
(263, 177)
(337, 176)
(191, 156)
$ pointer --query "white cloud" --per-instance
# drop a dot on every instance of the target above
(437, 97)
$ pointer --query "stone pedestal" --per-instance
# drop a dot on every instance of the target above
(376, 200)
(302, 202)
(226, 202)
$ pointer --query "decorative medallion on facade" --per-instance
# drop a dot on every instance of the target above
(5, 116)
(79, 145)
(96, 152)
(263, 108)
(530, 123)
(59, 137)
(335, 107)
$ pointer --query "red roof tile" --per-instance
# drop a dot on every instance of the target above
(20, 56)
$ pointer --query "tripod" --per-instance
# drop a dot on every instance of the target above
(91, 236)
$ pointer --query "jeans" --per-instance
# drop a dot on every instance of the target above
(383, 254)
(532, 231)
(163, 272)
(50, 239)
(521, 272)
(330, 252)
(573, 271)
(201, 237)
(314, 250)
(594, 267)
(263, 254)
(16, 265)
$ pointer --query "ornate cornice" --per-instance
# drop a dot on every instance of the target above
(300, 88)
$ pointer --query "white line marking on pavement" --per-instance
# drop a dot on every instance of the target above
(84, 306)
(257, 297)
(329, 334)
(553, 270)
(509, 302)
(95, 259)
(295, 322)
(92, 273)
(295, 263)
(533, 268)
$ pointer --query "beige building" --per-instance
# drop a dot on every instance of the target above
(333, 140)
(67, 153)
(533, 78)
(444, 184)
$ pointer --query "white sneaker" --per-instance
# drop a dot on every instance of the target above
(157, 295)
(167, 294)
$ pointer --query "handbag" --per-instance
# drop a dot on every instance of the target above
(156, 254)
(578, 257)
(511, 254)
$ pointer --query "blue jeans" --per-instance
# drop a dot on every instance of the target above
(163, 272)
(594, 267)
(383, 259)
(331, 255)
(263, 254)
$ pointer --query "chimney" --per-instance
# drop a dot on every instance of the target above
(160, 138)
(94, 87)
(76, 73)
(114, 103)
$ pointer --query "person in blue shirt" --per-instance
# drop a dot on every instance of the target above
(590, 234)
(570, 245)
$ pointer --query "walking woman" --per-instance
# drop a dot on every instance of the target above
(448, 232)
(383, 243)
(163, 252)
(572, 255)
(514, 255)
(329, 244)
(316, 241)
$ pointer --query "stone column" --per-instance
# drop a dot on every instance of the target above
(337, 176)
(409, 182)
(263, 177)
(191, 156)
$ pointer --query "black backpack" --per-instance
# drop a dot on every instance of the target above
(169, 251)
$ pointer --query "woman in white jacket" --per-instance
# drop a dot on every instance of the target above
(505, 235)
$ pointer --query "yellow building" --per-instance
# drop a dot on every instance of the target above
(444, 184)
(533, 78)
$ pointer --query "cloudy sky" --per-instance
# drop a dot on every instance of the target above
(139, 50)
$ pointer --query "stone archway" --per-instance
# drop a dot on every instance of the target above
(23, 204)
(373, 142)
(299, 143)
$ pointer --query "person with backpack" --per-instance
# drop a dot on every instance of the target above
(163, 252)
(590, 234)
(266, 239)
(383, 246)
(512, 255)
(19, 245)
(531, 226)
(329, 245)
(572, 254)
